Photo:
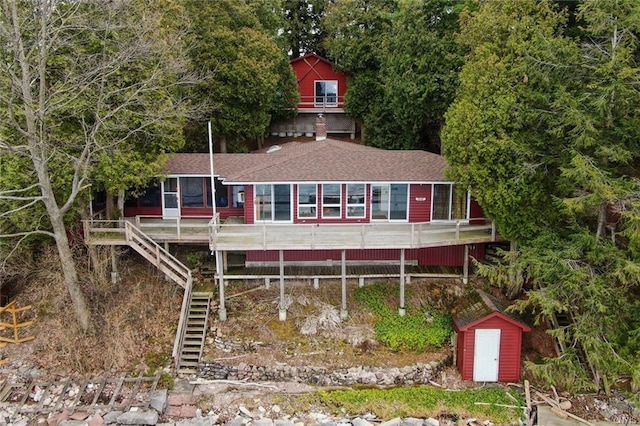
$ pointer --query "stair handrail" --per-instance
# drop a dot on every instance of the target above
(182, 322)
(169, 260)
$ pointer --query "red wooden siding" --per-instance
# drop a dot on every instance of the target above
(475, 211)
(142, 211)
(249, 212)
(309, 69)
(420, 202)
(432, 256)
(510, 349)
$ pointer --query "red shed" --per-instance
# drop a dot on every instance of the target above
(489, 342)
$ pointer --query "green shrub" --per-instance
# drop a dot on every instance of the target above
(415, 331)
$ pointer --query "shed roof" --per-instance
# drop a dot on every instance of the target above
(479, 306)
(329, 160)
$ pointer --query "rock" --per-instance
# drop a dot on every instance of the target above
(95, 420)
(412, 421)
(431, 422)
(237, 421)
(276, 409)
(112, 417)
(145, 417)
(393, 422)
(244, 410)
(73, 423)
(159, 401)
(472, 421)
(204, 421)
(358, 421)
(265, 421)
(566, 405)
(283, 423)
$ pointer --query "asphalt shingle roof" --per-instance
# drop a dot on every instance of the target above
(477, 305)
(320, 161)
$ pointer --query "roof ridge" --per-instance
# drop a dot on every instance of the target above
(487, 300)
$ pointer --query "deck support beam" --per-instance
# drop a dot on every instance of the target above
(316, 283)
(465, 265)
(222, 310)
(343, 263)
(401, 310)
(282, 311)
(115, 275)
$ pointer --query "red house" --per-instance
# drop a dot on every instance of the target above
(488, 342)
(322, 91)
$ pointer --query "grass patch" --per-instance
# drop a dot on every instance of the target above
(419, 330)
(423, 402)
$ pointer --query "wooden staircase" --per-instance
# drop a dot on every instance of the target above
(195, 333)
(192, 325)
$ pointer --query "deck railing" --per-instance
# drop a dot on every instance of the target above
(349, 236)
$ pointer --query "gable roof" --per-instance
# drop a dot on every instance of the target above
(320, 161)
(308, 56)
(478, 307)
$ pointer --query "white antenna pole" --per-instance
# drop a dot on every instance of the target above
(213, 179)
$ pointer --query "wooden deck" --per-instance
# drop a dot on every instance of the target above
(231, 235)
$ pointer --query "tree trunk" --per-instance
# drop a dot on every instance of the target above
(223, 144)
(109, 207)
(515, 273)
(120, 204)
(69, 267)
(602, 220)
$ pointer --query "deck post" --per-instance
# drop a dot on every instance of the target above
(465, 265)
(115, 275)
(222, 310)
(316, 283)
(225, 260)
(401, 310)
(360, 281)
(282, 313)
(343, 312)
(267, 283)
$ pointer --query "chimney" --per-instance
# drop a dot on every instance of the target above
(321, 127)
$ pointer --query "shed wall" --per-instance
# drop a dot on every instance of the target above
(510, 349)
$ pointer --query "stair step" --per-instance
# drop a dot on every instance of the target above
(189, 364)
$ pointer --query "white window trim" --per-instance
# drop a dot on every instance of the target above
(307, 205)
(388, 184)
(271, 220)
(332, 205)
(363, 204)
(449, 220)
(324, 103)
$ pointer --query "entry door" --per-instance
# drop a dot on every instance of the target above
(170, 199)
(486, 355)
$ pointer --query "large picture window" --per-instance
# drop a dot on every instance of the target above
(307, 201)
(355, 200)
(450, 202)
(273, 203)
(390, 201)
(326, 93)
(331, 200)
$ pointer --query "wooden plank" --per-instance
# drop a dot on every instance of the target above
(100, 390)
(61, 396)
(116, 391)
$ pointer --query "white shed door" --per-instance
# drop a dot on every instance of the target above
(486, 355)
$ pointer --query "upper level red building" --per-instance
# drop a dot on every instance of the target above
(322, 91)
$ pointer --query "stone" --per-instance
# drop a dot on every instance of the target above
(95, 420)
(79, 415)
(393, 422)
(204, 421)
(283, 423)
(237, 421)
(265, 421)
(181, 399)
(60, 417)
(565, 405)
(145, 417)
(159, 400)
(412, 421)
(73, 423)
(276, 409)
(188, 411)
(431, 422)
(112, 417)
(245, 411)
(359, 421)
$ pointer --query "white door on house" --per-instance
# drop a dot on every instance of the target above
(170, 199)
(486, 355)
